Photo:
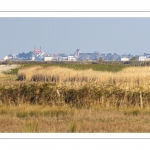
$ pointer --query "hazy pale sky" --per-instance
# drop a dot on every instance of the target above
(65, 35)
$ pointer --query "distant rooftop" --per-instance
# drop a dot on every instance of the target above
(37, 50)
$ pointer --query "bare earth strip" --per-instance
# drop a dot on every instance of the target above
(7, 67)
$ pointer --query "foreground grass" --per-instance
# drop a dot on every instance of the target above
(40, 118)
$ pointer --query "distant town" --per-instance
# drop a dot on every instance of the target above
(40, 55)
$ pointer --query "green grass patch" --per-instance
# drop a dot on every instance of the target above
(22, 114)
(96, 67)
(30, 127)
(13, 71)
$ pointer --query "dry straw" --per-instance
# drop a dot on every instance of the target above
(127, 78)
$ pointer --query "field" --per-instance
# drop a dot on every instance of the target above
(75, 98)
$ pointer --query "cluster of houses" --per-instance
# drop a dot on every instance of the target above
(38, 54)
(72, 57)
(145, 57)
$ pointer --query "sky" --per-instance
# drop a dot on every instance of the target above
(65, 35)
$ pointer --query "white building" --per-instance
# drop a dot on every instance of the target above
(33, 58)
(142, 58)
(124, 59)
(71, 58)
(14, 56)
(77, 53)
(62, 58)
(48, 58)
(6, 58)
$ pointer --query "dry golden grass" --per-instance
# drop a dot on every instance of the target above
(35, 118)
(2, 75)
(130, 77)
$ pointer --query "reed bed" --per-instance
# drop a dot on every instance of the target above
(130, 77)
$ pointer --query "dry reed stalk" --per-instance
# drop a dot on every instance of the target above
(141, 100)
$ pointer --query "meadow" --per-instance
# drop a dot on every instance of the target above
(75, 98)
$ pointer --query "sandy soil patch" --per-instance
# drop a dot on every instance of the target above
(7, 67)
